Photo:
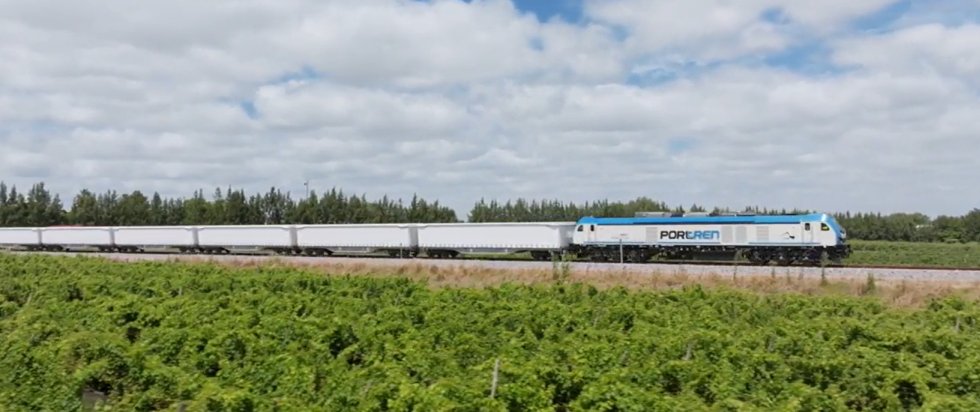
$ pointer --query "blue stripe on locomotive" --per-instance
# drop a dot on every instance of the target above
(706, 220)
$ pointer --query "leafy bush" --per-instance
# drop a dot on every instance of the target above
(152, 336)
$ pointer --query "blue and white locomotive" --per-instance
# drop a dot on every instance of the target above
(783, 239)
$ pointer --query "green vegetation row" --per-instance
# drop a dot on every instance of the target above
(40, 208)
(865, 252)
(155, 336)
(958, 255)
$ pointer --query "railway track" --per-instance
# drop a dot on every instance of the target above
(691, 268)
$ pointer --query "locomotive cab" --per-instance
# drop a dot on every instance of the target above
(822, 230)
(834, 237)
(583, 233)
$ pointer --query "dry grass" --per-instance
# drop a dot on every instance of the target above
(903, 293)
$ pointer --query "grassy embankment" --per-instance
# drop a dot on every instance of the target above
(156, 335)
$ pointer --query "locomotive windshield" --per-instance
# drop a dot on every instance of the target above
(836, 227)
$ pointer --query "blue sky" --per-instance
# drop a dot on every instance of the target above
(569, 10)
(882, 19)
(572, 11)
(808, 53)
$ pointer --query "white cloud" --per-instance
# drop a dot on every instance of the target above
(927, 50)
(708, 29)
(300, 105)
(830, 15)
(719, 29)
(459, 101)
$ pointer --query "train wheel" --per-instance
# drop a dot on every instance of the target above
(758, 258)
(785, 258)
(639, 256)
(438, 254)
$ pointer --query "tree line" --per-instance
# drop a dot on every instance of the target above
(38, 207)
(523, 210)
(225, 207)
(865, 226)
(912, 227)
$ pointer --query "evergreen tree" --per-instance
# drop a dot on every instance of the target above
(84, 209)
(157, 213)
(971, 226)
(42, 209)
(196, 210)
(237, 209)
(133, 210)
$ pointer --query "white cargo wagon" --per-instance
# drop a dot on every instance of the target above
(76, 237)
(25, 237)
(140, 238)
(224, 239)
(393, 239)
(541, 239)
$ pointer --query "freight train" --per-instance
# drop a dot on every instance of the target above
(762, 239)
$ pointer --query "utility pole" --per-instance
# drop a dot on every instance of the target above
(307, 184)
(621, 237)
(620, 250)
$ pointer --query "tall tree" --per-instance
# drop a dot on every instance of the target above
(84, 209)
(133, 209)
(157, 212)
(42, 208)
(196, 210)
(971, 225)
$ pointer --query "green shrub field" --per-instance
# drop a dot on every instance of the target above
(872, 252)
(167, 336)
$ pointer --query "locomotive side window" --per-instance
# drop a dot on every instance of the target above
(824, 227)
(806, 227)
(592, 228)
(579, 229)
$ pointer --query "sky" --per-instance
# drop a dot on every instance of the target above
(856, 105)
